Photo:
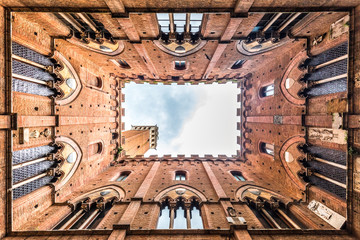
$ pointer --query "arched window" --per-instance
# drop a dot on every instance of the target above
(267, 148)
(164, 217)
(95, 148)
(181, 215)
(274, 217)
(270, 210)
(89, 211)
(123, 176)
(182, 22)
(238, 64)
(31, 169)
(267, 91)
(85, 218)
(28, 75)
(238, 176)
(178, 215)
(180, 175)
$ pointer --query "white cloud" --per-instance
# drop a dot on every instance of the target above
(209, 128)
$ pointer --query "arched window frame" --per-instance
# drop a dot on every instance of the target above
(270, 208)
(98, 202)
(173, 206)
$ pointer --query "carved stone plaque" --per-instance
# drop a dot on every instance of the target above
(338, 136)
(328, 215)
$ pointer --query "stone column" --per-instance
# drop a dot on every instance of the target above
(172, 213)
(188, 216)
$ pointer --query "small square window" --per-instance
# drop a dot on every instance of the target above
(180, 176)
(238, 176)
(267, 91)
(123, 176)
(123, 63)
(238, 64)
(180, 65)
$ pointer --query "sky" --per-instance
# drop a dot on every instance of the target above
(192, 119)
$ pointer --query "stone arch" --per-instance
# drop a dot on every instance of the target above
(69, 85)
(177, 191)
(294, 73)
(189, 48)
(116, 193)
(254, 191)
(109, 48)
(70, 156)
(294, 167)
(247, 48)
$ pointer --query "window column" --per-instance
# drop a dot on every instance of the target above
(187, 205)
(172, 213)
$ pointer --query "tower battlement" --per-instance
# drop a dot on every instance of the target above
(153, 131)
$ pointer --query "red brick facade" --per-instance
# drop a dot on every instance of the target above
(69, 170)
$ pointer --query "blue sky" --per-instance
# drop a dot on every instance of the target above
(192, 119)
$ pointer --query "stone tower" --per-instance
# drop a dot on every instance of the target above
(139, 139)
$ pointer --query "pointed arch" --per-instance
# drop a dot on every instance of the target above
(70, 155)
(292, 168)
(115, 192)
(69, 85)
(254, 191)
(176, 191)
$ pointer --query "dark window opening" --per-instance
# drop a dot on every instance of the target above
(238, 176)
(267, 91)
(238, 64)
(123, 176)
(267, 148)
(180, 175)
(180, 65)
(123, 63)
